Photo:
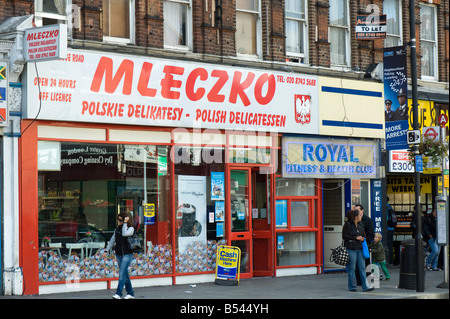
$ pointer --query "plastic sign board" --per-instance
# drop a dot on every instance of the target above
(419, 163)
(228, 260)
(399, 162)
(46, 43)
(370, 27)
(432, 133)
(4, 93)
(101, 87)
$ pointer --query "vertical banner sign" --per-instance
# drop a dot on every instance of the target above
(395, 95)
(377, 210)
(3, 93)
(228, 261)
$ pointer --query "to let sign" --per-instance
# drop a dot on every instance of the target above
(46, 43)
(370, 27)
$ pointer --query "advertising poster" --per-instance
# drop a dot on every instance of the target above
(220, 211)
(396, 111)
(191, 213)
(149, 214)
(217, 185)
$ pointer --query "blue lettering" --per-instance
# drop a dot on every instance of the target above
(324, 153)
(308, 149)
(342, 154)
(332, 150)
(352, 155)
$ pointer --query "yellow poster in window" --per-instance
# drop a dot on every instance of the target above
(405, 184)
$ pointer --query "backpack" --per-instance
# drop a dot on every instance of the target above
(392, 218)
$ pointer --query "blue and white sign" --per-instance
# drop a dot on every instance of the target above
(377, 211)
(329, 158)
(396, 112)
(217, 186)
(419, 163)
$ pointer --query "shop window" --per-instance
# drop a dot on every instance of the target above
(295, 187)
(296, 29)
(248, 27)
(428, 41)
(392, 9)
(118, 21)
(292, 213)
(200, 206)
(82, 188)
(299, 214)
(249, 155)
(339, 35)
(296, 249)
(177, 24)
(49, 12)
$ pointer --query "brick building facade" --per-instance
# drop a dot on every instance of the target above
(229, 45)
(214, 26)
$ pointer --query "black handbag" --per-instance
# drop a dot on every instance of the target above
(339, 255)
(134, 242)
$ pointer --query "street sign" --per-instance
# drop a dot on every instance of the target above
(442, 119)
(419, 163)
(431, 133)
(413, 137)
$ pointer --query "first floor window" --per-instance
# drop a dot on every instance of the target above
(296, 30)
(428, 40)
(117, 19)
(49, 12)
(247, 27)
(392, 9)
(339, 32)
(177, 24)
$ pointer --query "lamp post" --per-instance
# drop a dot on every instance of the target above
(419, 239)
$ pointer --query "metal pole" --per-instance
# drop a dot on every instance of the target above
(444, 193)
(419, 239)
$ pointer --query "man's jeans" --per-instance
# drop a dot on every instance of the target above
(124, 279)
(433, 257)
(356, 259)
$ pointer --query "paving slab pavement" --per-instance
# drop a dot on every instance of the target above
(330, 285)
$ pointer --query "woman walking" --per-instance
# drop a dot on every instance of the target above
(353, 235)
(123, 253)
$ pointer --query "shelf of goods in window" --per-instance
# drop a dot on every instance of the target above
(404, 221)
(54, 202)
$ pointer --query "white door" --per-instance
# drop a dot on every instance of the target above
(333, 218)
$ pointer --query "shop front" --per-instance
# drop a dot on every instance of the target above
(342, 171)
(400, 190)
(190, 151)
